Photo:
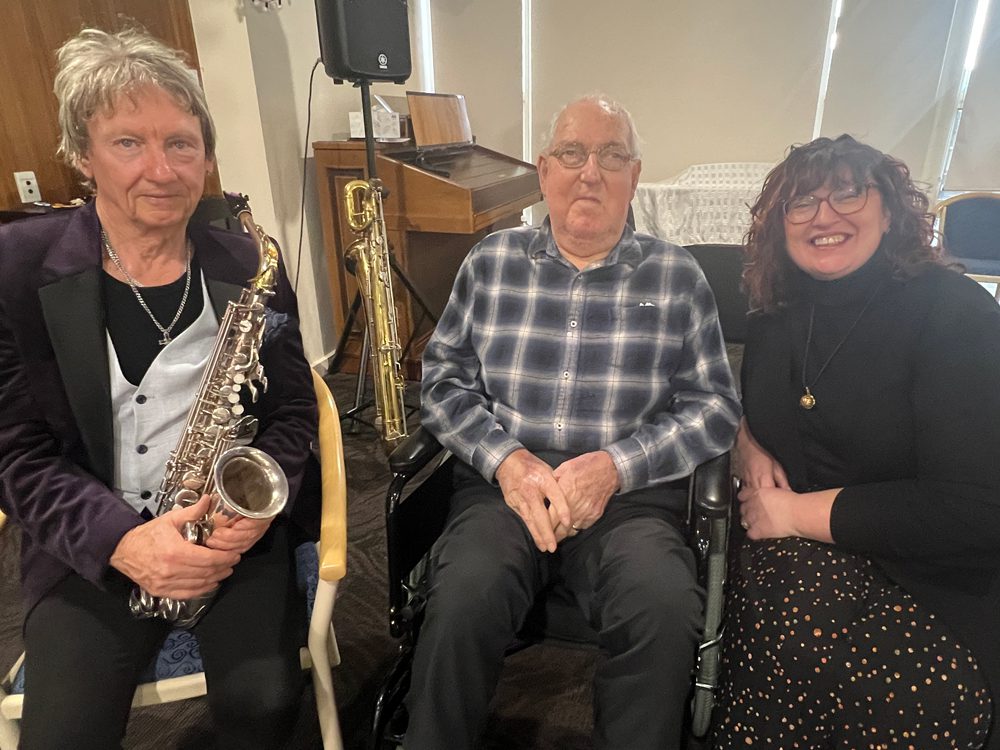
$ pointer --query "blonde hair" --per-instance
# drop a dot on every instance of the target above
(95, 67)
(609, 105)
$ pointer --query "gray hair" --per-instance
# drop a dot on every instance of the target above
(94, 67)
(609, 105)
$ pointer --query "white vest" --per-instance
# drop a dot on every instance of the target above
(149, 417)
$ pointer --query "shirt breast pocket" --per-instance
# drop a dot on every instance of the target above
(640, 334)
(642, 320)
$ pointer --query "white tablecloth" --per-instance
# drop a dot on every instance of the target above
(704, 204)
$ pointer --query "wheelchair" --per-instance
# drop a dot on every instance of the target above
(415, 521)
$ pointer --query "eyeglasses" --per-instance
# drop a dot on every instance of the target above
(802, 209)
(610, 156)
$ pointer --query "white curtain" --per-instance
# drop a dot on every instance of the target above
(707, 81)
(894, 77)
(975, 164)
(477, 52)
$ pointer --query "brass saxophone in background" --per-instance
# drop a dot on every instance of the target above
(212, 456)
(370, 253)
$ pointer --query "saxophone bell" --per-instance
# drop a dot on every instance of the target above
(250, 484)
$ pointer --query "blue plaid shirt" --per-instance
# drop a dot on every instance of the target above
(625, 356)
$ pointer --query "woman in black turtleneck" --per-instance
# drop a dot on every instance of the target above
(865, 601)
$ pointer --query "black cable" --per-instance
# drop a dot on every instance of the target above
(305, 160)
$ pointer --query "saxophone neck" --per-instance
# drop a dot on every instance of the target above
(268, 252)
(269, 256)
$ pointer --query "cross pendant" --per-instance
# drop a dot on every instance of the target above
(165, 340)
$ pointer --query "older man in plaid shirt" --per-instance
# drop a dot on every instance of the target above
(577, 369)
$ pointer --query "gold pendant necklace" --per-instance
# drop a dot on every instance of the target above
(807, 400)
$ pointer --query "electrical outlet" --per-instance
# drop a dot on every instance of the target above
(27, 187)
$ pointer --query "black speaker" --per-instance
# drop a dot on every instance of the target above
(364, 39)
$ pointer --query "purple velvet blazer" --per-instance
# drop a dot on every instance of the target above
(56, 432)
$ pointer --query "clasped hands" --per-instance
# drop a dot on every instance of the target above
(769, 508)
(561, 502)
(159, 559)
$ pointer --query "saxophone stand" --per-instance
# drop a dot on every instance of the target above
(361, 403)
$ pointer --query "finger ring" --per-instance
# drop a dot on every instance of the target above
(575, 527)
(745, 525)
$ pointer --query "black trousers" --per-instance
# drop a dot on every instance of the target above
(631, 574)
(85, 653)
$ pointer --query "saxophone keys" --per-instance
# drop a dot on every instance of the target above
(245, 326)
(233, 396)
(239, 378)
(190, 494)
(220, 415)
(213, 432)
(236, 410)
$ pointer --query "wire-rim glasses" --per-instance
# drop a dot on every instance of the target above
(610, 156)
(801, 209)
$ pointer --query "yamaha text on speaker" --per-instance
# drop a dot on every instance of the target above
(364, 39)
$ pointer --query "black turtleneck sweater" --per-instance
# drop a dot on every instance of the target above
(907, 421)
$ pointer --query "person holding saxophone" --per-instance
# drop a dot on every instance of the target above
(109, 314)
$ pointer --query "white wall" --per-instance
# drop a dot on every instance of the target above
(256, 67)
(227, 74)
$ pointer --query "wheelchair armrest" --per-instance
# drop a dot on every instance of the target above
(414, 523)
(711, 501)
(711, 487)
(414, 452)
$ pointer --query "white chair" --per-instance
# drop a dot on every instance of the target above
(330, 565)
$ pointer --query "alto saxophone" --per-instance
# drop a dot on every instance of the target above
(370, 253)
(212, 456)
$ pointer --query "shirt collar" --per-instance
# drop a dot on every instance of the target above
(627, 251)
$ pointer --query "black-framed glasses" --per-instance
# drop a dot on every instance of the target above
(610, 156)
(801, 209)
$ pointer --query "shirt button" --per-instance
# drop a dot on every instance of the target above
(558, 425)
(572, 324)
(566, 374)
(140, 399)
(141, 449)
(145, 494)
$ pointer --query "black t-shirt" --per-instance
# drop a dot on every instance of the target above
(135, 336)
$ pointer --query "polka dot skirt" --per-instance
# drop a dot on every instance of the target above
(821, 650)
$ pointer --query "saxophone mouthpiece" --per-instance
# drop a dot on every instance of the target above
(238, 203)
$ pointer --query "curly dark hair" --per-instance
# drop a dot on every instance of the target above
(907, 245)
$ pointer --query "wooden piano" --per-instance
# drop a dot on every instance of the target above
(439, 205)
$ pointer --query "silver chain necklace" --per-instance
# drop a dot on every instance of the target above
(135, 289)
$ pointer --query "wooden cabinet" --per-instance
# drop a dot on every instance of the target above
(433, 218)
